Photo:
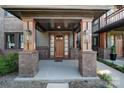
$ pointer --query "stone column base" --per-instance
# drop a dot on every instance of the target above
(74, 53)
(28, 63)
(87, 64)
(104, 53)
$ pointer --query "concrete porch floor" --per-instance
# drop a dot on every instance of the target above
(51, 71)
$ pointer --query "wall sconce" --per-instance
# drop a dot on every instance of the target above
(86, 36)
(28, 38)
(29, 33)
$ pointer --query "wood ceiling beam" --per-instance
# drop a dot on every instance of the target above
(39, 25)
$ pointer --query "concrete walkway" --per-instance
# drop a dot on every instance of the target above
(117, 76)
(57, 85)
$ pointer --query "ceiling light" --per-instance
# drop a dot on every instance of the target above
(58, 27)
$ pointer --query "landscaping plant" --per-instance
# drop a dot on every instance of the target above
(120, 68)
(113, 53)
(8, 63)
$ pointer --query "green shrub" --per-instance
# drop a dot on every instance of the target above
(8, 63)
(122, 67)
(106, 78)
(117, 67)
(113, 49)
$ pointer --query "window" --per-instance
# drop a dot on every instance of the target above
(110, 42)
(21, 45)
(13, 40)
(95, 41)
(66, 44)
(51, 45)
(10, 41)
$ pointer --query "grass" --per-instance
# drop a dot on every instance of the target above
(109, 63)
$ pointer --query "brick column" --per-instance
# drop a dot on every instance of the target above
(28, 58)
(102, 51)
(87, 58)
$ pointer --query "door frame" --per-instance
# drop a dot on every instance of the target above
(64, 33)
(55, 44)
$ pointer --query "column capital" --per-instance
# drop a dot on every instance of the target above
(87, 19)
(27, 18)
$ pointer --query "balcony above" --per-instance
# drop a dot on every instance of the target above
(109, 22)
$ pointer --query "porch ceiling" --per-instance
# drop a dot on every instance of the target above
(59, 10)
(58, 24)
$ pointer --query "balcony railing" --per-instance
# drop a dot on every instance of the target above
(109, 19)
(117, 15)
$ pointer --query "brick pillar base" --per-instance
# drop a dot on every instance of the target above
(74, 53)
(28, 63)
(87, 64)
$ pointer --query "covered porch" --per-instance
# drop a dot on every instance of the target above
(61, 23)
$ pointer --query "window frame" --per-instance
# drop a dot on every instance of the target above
(16, 40)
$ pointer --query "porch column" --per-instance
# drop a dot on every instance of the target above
(103, 40)
(28, 58)
(102, 50)
(87, 58)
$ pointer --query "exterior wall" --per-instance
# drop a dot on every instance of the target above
(104, 53)
(111, 39)
(12, 24)
(1, 29)
(42, 44)
(8, 24)
(42, 38)
(118, 40)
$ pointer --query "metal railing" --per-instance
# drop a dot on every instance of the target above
(117, 15)
(111, 18)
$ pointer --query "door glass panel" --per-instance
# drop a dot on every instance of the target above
(66, 45)
(52, 45)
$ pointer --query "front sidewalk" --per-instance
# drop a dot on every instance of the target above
(117, 76)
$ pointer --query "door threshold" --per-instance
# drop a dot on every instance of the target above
(58, 59)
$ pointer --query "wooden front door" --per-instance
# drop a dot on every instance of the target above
(59, 46)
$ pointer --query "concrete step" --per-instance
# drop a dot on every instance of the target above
(57, 85)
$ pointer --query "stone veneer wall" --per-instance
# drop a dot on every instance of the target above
(28, 63)
(87, 63)
(44, 52)
(74, 53)
(103, 53)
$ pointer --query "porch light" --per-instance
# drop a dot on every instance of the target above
(28, 38)
(58, 27)
(86, 36)
(28, 32)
